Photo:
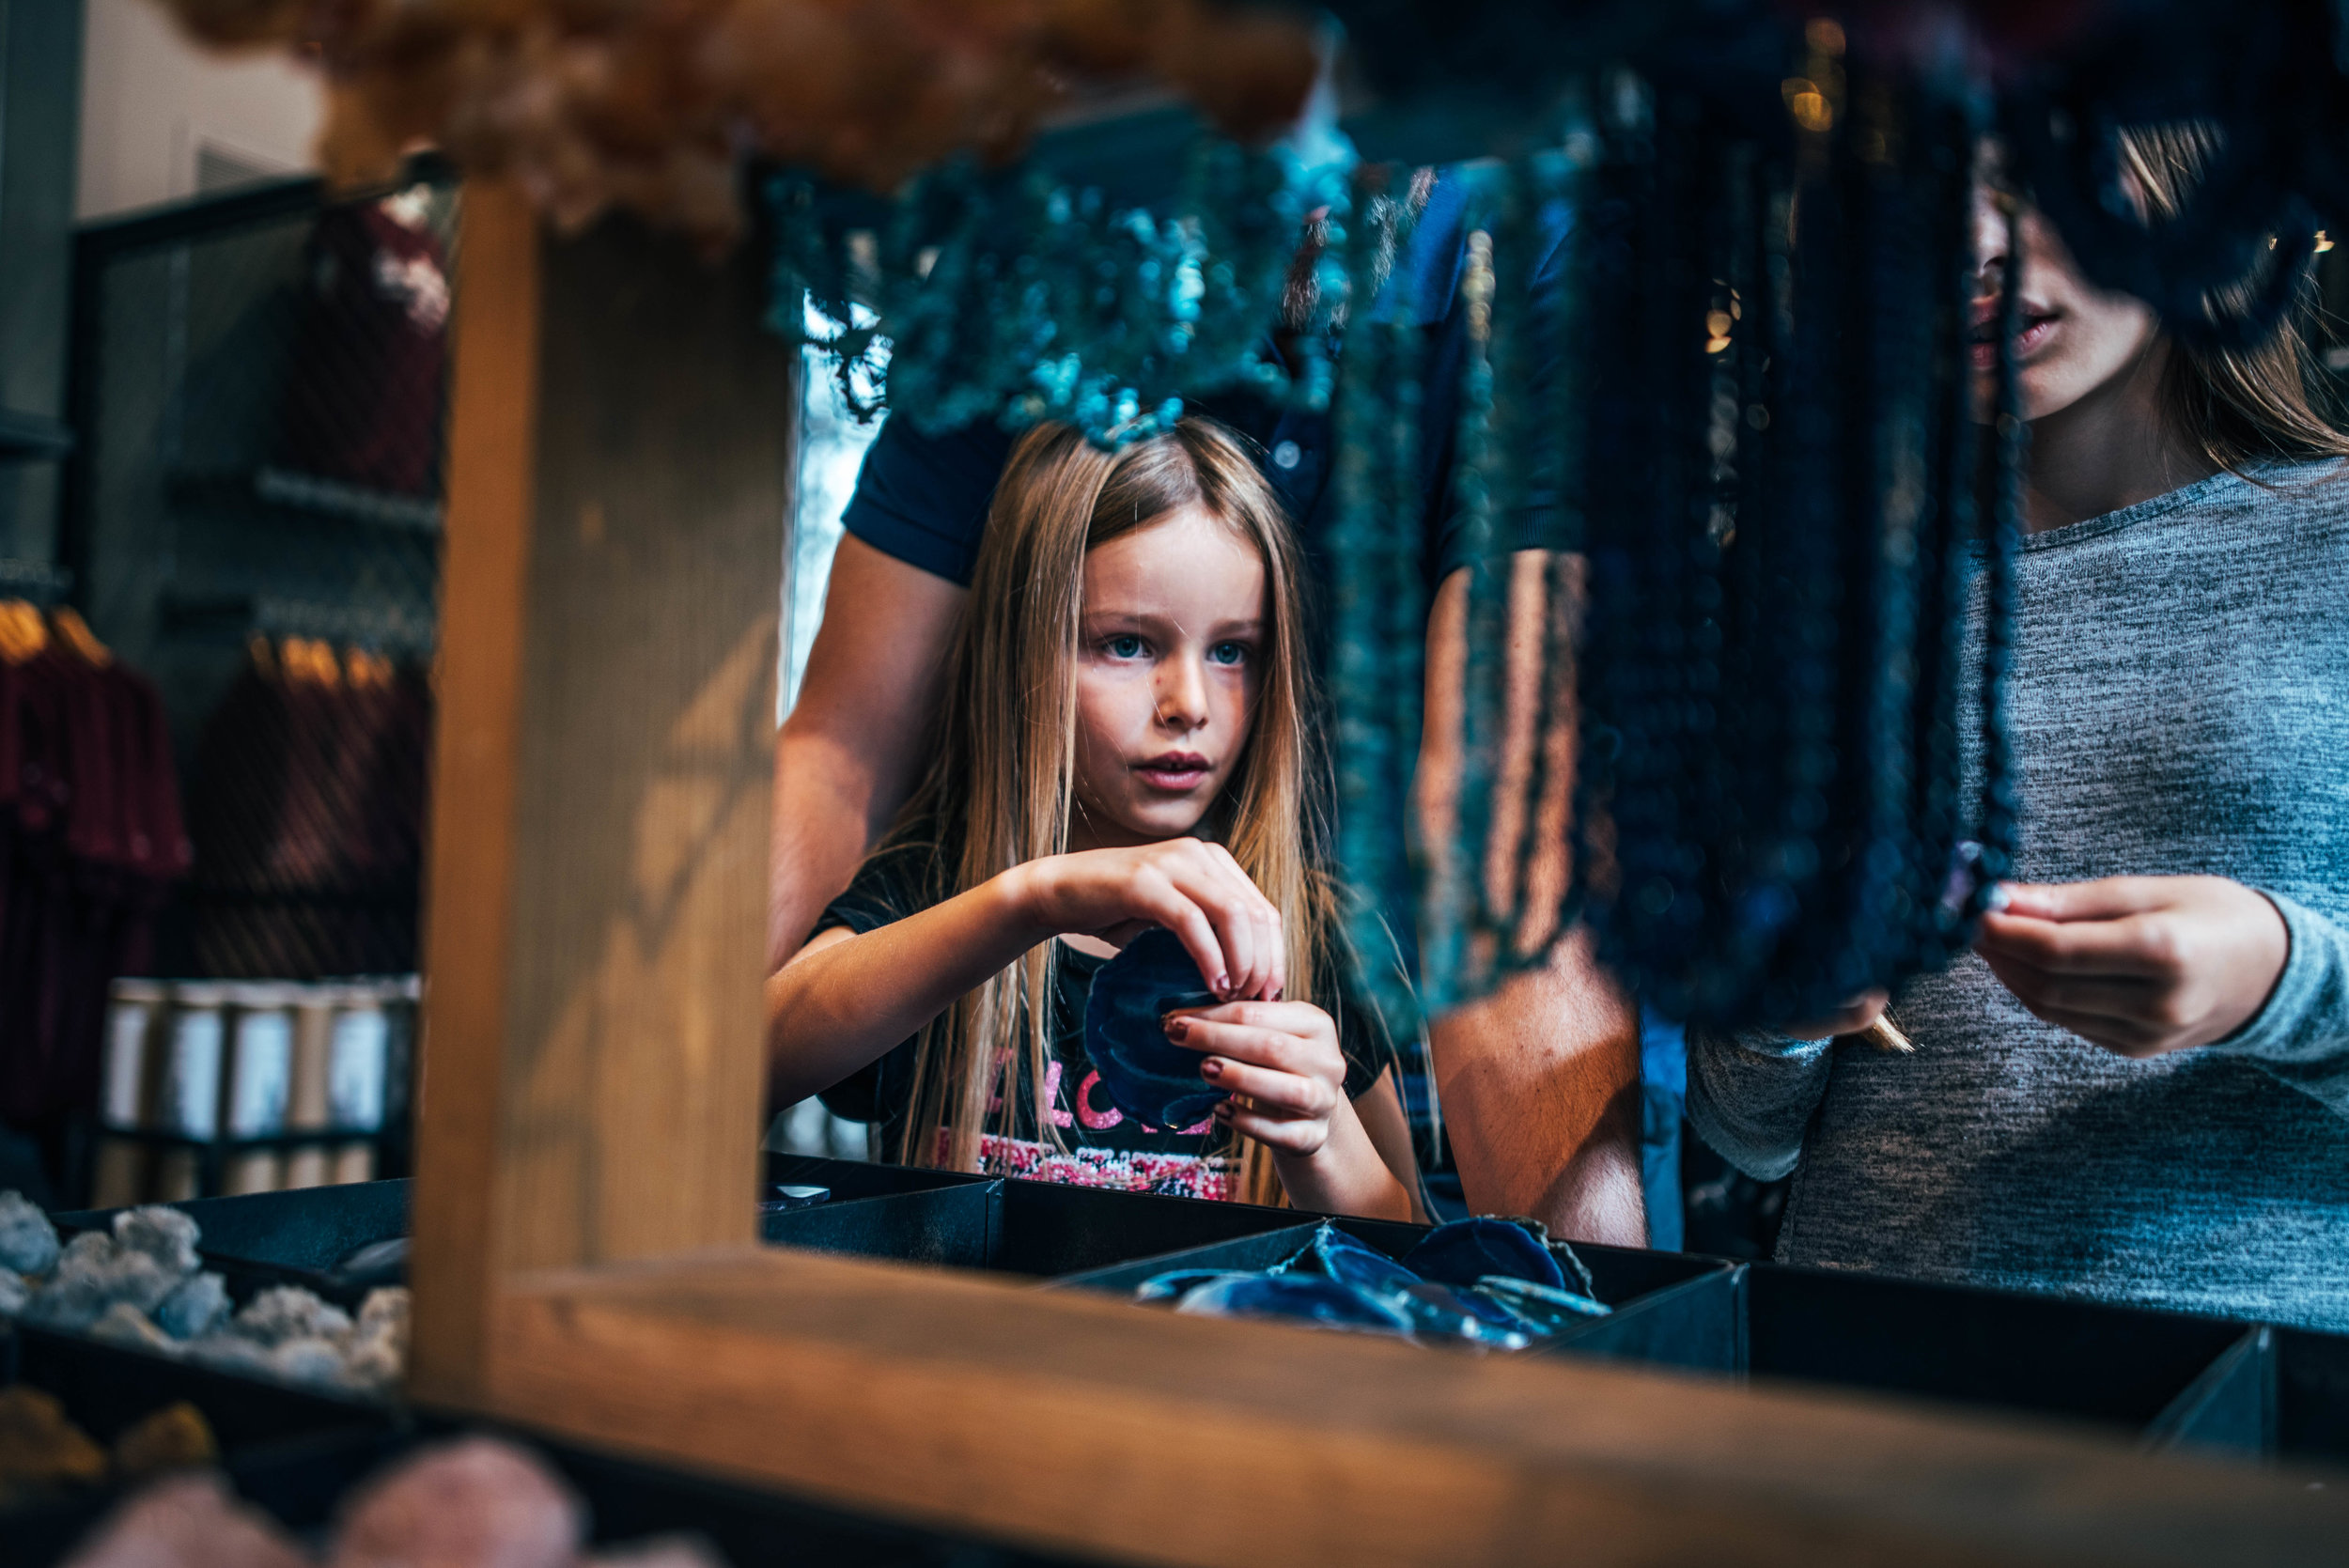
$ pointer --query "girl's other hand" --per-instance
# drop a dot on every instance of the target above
(1281, 1058)
(2139, 965)
(1192, 888)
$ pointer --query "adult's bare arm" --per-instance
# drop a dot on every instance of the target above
(1539, 1080)
(847, 755)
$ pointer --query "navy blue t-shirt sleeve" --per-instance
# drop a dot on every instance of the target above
(1427, 280)
(923, 499)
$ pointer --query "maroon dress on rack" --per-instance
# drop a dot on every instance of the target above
(89, 818)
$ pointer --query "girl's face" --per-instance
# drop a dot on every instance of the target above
(1169, 661)
(2076, 338)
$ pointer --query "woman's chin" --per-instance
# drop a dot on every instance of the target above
(1164, 818)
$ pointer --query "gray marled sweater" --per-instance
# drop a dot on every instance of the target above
(2181, 704)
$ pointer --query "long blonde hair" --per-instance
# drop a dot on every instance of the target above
(1000, 784)
(2236, 407)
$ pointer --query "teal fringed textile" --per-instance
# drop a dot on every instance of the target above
(1378, 602)
(1715, 367)
(1010, 297)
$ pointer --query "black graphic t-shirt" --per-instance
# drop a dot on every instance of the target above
(1091, 1143)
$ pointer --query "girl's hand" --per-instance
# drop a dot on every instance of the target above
(2139, 965)
(1281, 1057)
(1192, 888)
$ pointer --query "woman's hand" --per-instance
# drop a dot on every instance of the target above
(1280, 1058)
(1192, 888)
(2139, 965)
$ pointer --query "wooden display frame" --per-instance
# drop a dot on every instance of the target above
(589, 1111)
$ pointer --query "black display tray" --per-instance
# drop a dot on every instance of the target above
(1017, 1227)
(295, 1237)
(1669, 1307)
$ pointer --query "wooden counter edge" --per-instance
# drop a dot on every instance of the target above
(1084, 1425)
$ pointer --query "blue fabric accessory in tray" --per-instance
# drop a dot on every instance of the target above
(1479, 1281)
(1148, 1077)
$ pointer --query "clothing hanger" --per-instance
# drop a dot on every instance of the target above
(366, 670)
(310, 659)
(22, 634)
(74, 633)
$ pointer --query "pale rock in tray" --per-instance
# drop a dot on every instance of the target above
(474, 1502)
(196, 1307)
(142, 1285)
(188, 1521)
(306, 1361)
(93, 1273)
(661, 1551)
(285, 1313)
(477, 1501)
(125, 1325)
(377, 1355)
(167, 1235)
(28, 1243)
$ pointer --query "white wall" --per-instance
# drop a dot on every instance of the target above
(152, 102)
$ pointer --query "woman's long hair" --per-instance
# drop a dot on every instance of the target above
(1000, 785)
(2236, 407)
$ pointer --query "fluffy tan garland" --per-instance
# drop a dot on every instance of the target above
(647, 103)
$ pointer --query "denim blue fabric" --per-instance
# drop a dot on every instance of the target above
(1336, 1281)
(1175, 1283)
(1148, 1077)
(1548, 1309)
(1663, 1094)
(1340, 1257)
(1442, 1312)
(1304, 1297)
(1468, 1251)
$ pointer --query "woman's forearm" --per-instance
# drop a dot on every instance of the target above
(1345, 1175)
(841, 1004)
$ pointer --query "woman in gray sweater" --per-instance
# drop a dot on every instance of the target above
(2136, 1087)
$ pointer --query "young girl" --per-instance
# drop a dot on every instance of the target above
(2138, 1088)
(1124, 744)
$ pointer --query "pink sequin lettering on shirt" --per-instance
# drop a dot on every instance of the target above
(1096, 1120)
(1052, 1095)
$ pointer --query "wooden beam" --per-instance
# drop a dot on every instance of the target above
(620, 469)
(1081, 1422)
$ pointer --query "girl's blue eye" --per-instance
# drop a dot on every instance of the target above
(1128, 646)
(1228, 653)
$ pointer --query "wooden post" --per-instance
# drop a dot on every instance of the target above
(620, 470)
